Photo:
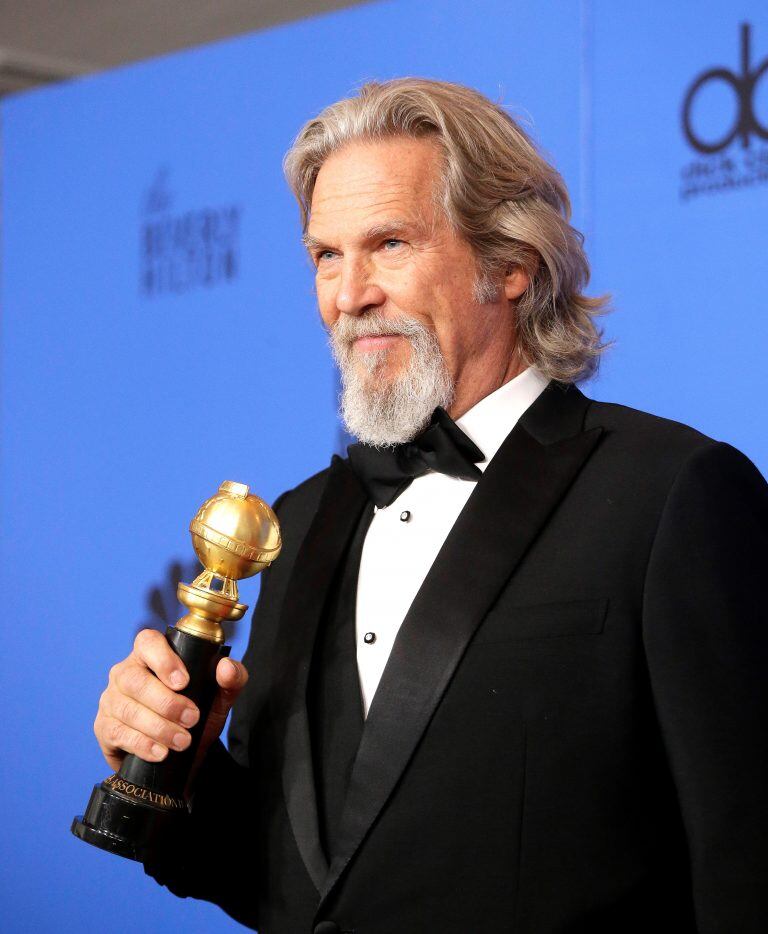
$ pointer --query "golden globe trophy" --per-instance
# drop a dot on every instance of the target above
(235, 535)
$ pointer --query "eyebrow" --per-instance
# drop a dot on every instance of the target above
(377, 232)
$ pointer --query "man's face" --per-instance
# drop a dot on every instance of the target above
(383, 249)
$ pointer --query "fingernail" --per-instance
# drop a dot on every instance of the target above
(180, 740)
(189, 717)
(177, 679)
(233, 669)
(157, 750)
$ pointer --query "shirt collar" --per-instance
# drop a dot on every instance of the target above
(490, 420)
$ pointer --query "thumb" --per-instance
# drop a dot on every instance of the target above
(231, 676)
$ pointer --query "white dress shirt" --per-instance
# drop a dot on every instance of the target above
(404, 538)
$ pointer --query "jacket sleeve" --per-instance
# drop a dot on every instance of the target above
(705, 630)
(203, 861)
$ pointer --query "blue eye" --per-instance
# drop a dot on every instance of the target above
(392, 241)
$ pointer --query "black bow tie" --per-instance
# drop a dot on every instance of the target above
(442, 446)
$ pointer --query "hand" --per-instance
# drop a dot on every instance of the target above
(141, 713)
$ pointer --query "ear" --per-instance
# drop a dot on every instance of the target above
(516, 281)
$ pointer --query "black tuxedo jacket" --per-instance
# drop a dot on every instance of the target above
(570, 734)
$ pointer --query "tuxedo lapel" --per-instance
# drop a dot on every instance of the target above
(518, 492)
(325, 543)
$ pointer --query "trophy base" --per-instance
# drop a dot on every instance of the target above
(129, 820)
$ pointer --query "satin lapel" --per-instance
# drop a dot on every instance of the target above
(518, 492)
(337, 515)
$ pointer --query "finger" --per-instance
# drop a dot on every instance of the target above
(130, 712)
(140, 684)
(115, 736)
(231, 676)
(113, 756)
(153, 650)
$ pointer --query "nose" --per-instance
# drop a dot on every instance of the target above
(358, 292)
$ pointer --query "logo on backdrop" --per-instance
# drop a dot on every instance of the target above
(723, 123)
(185, 249)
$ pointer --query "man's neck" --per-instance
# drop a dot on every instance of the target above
(469, 393)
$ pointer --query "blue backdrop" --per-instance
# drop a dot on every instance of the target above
(159, 331)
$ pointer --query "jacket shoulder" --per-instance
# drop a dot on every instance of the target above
(623, 419)
(302, 497)
(648, 437)
(656, 451)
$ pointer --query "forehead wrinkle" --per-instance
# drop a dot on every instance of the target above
(350, 198)
(400, 223)
(374, 199)
(368, 168)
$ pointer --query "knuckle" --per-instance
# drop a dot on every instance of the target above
(170, 706)
(126, 711)
(144, 639)
(118, 676)
(133, 680)
(114, 672)
(115, 732)
(156, 728)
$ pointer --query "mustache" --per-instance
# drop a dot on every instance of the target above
(348, 329)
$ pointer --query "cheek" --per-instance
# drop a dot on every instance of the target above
(325, 293)
(457, 321)
(412, 293)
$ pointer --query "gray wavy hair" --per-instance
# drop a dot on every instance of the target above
(499, 193)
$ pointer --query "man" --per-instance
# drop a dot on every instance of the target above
(508, 673)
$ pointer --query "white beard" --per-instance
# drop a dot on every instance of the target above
(383, 411)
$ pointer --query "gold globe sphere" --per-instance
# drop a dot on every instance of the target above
(235, 534)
